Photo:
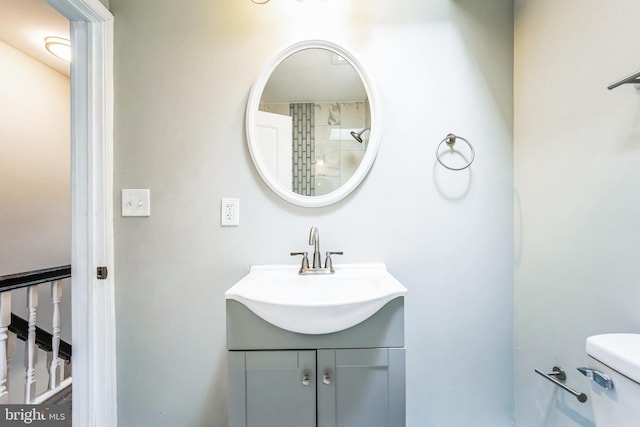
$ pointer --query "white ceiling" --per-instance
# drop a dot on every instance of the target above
(25, 23)
(313, 75)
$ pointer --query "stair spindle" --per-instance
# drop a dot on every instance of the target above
(31, 353)
(55, 368)
(5, 320)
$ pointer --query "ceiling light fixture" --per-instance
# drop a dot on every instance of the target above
(301, 1)
(59, 47)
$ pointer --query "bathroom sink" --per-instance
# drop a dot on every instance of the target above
(316, 304)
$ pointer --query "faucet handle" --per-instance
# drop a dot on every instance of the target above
(328, 264)
(305, 259)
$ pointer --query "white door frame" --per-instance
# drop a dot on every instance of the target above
(93, 311)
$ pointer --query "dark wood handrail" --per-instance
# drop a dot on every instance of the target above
(35, 277)
(20, 327)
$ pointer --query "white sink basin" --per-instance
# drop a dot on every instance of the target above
(316, 304)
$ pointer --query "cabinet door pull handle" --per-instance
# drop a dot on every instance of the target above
(306, 380)
(326, 378)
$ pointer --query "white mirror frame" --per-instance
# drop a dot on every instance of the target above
(254, 146)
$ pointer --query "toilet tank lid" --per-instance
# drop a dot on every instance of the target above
(620, 352)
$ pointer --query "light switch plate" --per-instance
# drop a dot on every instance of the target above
(136, 202)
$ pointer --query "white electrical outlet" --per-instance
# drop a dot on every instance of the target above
(230, 212)
(136, 202)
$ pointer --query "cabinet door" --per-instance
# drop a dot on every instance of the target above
(361, 388)
(272, 389)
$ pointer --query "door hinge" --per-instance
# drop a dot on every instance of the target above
(102, 273)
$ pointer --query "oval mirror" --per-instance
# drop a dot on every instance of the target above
(313, 125)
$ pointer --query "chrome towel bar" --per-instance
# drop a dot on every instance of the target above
(560, 375)
(633, 78)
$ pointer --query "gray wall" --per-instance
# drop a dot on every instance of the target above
(35, 193)
(577, 180)
(35, 215)
(183, 71)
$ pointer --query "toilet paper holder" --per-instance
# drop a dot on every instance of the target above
(558, 374)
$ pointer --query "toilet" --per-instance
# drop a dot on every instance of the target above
(614, 367)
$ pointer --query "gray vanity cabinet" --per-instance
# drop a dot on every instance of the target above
(351, 378)
(336, 388)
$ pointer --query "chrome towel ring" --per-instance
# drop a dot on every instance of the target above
(451, 139)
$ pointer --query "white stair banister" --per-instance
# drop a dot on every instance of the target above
(5, 320)
(31, 352)
(56, 374)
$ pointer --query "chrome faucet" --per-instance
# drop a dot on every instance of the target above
(314, 239)
(316, 265)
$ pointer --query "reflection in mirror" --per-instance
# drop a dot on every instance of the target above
(313, 122)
